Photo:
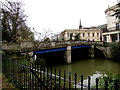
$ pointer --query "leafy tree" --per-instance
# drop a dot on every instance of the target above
(47, 39)
(77, 37)
(13, 21)
(25, 34)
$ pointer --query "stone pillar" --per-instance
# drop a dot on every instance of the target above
(107, 38)
(110, 38)
(65, 36)
(68, 55)
(103, 39)
(118, 37)
(92, 51)
(109, 52)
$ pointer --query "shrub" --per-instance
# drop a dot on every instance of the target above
(112, 79)
(116, 51)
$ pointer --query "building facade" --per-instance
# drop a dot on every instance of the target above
(113, 25)
(84, 34)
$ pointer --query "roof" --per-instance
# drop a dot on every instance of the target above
(111, 8)
(79, 29)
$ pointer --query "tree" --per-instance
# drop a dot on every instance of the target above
(112, 80)
(13, 20)
(47, 39)
(25, 34)
(77, 37)
(40, 38)
(116, 51)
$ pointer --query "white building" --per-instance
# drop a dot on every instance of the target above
(113, 25)
(84, 34)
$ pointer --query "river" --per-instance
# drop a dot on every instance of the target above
(90, 67)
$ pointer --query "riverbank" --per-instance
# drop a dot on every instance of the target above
(4, 83)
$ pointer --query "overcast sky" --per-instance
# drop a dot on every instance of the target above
(58, 15)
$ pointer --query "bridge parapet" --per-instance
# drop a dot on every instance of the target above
(45, 45)
(67, 43)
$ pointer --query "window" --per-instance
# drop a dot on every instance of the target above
(97, 34)
(71, 35)
(117, 26)
(68, 35)
(93, 34)
(83, 35)
(88, 34)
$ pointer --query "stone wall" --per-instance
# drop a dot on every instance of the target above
(15, 46)
(106, 51)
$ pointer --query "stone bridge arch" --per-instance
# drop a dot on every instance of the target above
(106, 51)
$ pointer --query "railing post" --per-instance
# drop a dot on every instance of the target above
(39, 83)
(55, 78)
(13, 71)
(59, 79)
(81, 82)
(44, 77)
(35, 78)
(41, 76)
(30, 77)
(75, 80)
(106, 85)
(27, 79)
(89, 83)
(97, 83)
(47, 76)
(16, 75)
(51, 80)
(64, 78)
(116, 84)
(69, 80)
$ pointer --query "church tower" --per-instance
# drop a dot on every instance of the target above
(80, 26)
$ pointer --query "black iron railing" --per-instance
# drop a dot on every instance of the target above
(35, 77)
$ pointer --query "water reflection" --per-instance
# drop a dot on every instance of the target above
(90, 67)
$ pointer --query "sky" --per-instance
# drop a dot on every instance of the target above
(58, 15)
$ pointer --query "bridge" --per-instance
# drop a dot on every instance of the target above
(72, 49)
(67, 49)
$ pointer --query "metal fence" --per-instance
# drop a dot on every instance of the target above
(35, 77)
